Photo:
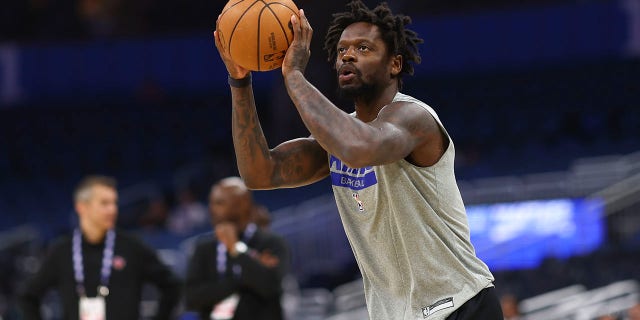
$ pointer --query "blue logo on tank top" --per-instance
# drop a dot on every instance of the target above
(354, 179)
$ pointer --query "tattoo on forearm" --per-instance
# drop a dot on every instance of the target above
(287, 165)
(323, 122)
(248, 138)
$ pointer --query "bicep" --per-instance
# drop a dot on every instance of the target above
(298, 162)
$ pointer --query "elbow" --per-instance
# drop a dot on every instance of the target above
(254, 183)
(260, 178)
(249, 181)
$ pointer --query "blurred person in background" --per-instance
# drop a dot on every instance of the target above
(261, 217)
(391, 164)
(155, 214)
(634, 312)
(510, 308)
(236, 273)
(189, 215)
(99, 271)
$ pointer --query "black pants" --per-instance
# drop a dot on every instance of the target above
(483, 306)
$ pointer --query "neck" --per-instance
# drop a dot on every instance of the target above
(367, 109)
(93, 234)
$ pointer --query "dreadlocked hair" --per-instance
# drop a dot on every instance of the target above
(398, 39)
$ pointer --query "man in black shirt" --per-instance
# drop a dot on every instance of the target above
(236, 271)
(98, 271)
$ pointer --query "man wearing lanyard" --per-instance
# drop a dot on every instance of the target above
(99, 271)
(236, 271)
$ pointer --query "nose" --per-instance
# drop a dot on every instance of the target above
(113, 209)
(349, 55)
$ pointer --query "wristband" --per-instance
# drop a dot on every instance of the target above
(240, 83)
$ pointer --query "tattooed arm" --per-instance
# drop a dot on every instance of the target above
(293, 163)
(401, 130)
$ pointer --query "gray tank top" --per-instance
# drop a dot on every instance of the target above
(408, 230)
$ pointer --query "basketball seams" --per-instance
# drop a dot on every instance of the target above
(284, 32)
(258, 37)
(286, 6)
(238, 22)
(230, 7)
(242, 33)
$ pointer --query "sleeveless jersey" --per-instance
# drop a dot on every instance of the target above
(408, 230)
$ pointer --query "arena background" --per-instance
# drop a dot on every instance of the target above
(542, 99)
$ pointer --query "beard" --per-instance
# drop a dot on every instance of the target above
(364, 90)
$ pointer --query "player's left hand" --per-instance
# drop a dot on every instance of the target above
(299, 51)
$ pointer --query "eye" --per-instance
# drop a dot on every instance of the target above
(363, 48)
(341, 49)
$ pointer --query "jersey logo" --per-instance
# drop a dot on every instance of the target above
(440, 305)
(354, 179)
(357, 198)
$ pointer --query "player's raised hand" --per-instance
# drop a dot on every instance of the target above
(299, 51)
(235, 70)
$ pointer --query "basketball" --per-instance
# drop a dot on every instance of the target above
(256, 33)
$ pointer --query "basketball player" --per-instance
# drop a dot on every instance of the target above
(391, 164)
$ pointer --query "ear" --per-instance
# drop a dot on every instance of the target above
(396, 65)
(80, 206)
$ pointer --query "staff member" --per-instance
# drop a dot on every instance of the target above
(236, 272)
(100, 271)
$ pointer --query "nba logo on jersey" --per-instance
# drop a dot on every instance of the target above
(354, 179)
(357, 198)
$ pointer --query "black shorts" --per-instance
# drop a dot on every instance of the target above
(485, 305)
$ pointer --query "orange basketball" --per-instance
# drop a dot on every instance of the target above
(257, 33)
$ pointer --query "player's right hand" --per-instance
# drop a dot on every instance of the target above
(235, 71)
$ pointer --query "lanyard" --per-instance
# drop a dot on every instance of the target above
(221, 258)
(107, 260)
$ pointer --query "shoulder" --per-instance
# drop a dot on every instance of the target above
(133, 244)
(406, 103)
(409, 113)
(128, 238)
(413, 102)
(269, 237)
(60, 244)
(202, 241)
(267, 234)
(60, 241)
(200, 246)
(205, 239)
